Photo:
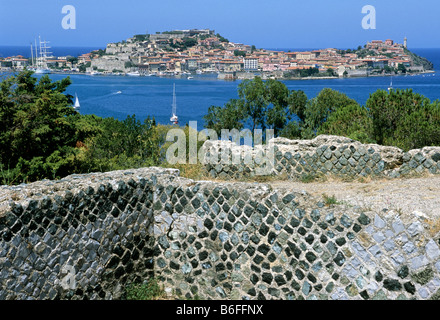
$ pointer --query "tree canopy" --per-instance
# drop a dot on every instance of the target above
(400, 118)
(42, 136)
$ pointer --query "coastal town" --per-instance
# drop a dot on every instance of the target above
(184, 53)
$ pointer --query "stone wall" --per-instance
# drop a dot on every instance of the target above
(88, 236)
(298, 159)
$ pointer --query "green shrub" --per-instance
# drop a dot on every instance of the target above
(149, 290)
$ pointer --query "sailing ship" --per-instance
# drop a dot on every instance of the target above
(41, 57)
(76, 106)
(174, 119)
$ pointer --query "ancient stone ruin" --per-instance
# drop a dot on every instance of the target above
(89, 236)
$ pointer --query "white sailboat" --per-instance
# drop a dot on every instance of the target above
(174, 118)
(391, 85)
(76, 106)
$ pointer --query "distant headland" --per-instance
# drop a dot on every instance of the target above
(183, 53)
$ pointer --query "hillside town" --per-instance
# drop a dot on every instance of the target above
(195, 51)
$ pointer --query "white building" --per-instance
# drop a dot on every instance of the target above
(250, 64)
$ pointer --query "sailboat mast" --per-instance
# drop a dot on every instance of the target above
(41, 53)
(32, 56)
(174, 100)
(174, 119)
(36, 54)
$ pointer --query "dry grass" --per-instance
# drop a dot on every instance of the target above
(190, 171)
(434, 227)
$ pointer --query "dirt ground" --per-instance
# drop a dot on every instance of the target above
(403, 195)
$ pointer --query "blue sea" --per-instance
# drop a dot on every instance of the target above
(120, 96)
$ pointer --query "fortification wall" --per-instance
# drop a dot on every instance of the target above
(88, 236)
(297, 159)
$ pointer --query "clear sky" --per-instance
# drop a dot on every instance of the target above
(265, 24)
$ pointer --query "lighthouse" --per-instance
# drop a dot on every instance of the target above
(405, 42)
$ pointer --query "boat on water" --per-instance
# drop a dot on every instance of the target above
(190, 77)
(133, 74)
(95, 73)
(391, 85)
(39, 65)
(43, 71)
(174, 118)
(76, 106)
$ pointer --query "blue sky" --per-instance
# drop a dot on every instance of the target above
(265, 24)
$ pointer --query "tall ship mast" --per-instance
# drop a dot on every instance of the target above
(32, 58)
(174, 119)
(41, 60)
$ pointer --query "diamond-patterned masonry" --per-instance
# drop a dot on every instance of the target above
(88, 236)
(323, 155)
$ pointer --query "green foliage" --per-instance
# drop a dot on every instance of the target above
(399, 118)
(189, 42)
(404, 119)
(84, 66)
(141, 37)
(278, 97)
(184, 44)
(308, 72)
(401, 68)
(161, 132)
(318, 109)
(239, 53)
(100, 52)
(129, 64)
(302, 73)
(221, 38)
(260, 104)
(73, 60)
(330, 200)
(122, 144)
(419, 61)
(255, 102)
(420, 128)
(297, 102)
(351, 121)
(36, 126)
(291, 130)
(42, 136)
(228, 117)
(149, 290)
(331, 72)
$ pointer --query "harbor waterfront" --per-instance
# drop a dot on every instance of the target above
(120, 96)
